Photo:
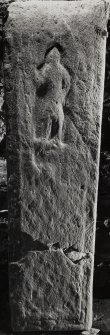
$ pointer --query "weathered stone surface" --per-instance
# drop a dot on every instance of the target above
(54, 78)
(58, 286)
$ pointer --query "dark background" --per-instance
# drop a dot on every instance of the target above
(102, 250)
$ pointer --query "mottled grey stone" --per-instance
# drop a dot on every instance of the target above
(54, 78)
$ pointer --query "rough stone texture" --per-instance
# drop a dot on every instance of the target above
(53, 281)
(54, 77)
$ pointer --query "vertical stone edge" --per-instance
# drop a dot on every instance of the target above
(13, 170)
(90, 266)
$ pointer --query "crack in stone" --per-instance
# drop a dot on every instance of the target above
(77, 256)
(69, 249)
(25, 243)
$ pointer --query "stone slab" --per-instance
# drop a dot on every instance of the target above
(54, 78)
(92, 331)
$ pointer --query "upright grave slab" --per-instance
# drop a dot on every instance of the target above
(54, 62)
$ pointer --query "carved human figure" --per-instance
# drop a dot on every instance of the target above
(52, 86)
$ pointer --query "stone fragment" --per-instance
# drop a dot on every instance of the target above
(92, 331)
(54, 78)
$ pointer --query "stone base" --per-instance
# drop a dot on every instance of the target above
(92, 331)
(59, 308)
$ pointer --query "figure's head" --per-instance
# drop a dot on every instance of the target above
(53, 56)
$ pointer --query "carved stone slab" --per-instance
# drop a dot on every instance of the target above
(54, 77)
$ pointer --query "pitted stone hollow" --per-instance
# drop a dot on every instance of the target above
(52, 86)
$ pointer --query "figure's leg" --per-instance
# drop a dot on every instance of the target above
(61, 121)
